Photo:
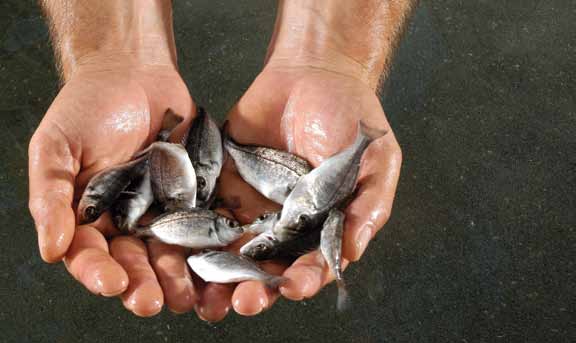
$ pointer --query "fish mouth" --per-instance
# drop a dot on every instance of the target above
(246, 251)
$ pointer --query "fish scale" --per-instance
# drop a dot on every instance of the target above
(204, 147)
(273, 173)
(195, 228)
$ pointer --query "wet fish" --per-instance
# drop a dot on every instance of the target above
(325, 187)
(204, 146)
(225, 267)
(272, 172)
(263, 223)
(196, 228)
(172, 176)
(267, 246)
(132, 203)
(331, 248)
(169, 123)
(105, 187)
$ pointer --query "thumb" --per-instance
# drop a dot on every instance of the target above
(52, 169)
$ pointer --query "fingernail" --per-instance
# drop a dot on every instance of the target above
(99, 285)
(362, 240)
(250, 309)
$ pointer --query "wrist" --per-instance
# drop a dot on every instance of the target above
(110, 34)
(355, 38)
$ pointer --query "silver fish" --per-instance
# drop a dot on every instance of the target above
(331, 248)
(273, 173)
(196, 228)
(169, 123)
(267, 246)
(325, 187)
(172, 176)
(105, 187)
(204, 146)
(225, 267)
(263, 223)
(132, 203)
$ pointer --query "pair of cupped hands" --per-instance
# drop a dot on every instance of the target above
(103, 115)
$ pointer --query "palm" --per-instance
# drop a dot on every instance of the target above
(314, 114)
(98, 120)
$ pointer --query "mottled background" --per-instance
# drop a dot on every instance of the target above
(481, 246)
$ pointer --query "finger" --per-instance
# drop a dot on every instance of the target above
(371, 208)
(214, 302)
(251, 203)
(52, 168)
(252, 297)
(307, 275)
(90, 263)
(105, 225)
(169, 263)
(144, 296)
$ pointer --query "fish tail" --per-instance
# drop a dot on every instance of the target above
(169, 123)
(141, 231)
(343, 301)
(226, 139)
(200, 112)
(368, 133)
(276, 281)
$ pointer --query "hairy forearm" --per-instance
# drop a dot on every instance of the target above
(352, 37)
(111, 32)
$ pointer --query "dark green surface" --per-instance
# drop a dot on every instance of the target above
(481, 246)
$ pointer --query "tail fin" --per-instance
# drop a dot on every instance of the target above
(343, 301)
(169, 123)
(276, 281)
(227, 141)
(369, 133)
(141, 232)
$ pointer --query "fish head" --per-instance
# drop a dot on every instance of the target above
(90, 208)
(228, 229)
(290, 225)
(205, 186)
(262, 247)
(264, 222)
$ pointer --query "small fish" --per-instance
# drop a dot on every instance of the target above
(169, 123)
(263, 223)
(172, 176)
(204, 146)
(196, 228)
(273, 173)
(225, 267)
(331, 248)
(267, 246)
(325, 187)
(132, 203)
(105, 187)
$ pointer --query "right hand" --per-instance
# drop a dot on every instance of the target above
(104, 114)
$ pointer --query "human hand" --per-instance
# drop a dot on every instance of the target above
(314, 114)
(110, 107)
(320, 78)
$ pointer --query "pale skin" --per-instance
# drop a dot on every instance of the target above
(325, 61)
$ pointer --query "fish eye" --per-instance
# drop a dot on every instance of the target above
(303, 219)
(261, 247)
(201, 182)
(231, 223)
(262, 217)
(90, 213)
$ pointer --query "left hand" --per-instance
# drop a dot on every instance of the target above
(311, 112)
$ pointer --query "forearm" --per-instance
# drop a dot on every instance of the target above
(110, 32)
(351, 37)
